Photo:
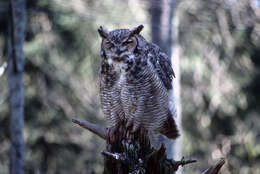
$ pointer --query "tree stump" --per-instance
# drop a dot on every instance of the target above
(132, 153)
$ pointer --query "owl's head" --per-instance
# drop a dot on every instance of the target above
(119, 44)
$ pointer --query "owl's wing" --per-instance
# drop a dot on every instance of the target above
(162, 65)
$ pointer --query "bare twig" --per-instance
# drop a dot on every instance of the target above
(215, 169)
(185, 161)
(182, 162)
(94, 128)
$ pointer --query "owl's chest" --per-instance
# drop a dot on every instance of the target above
(122, 89)
(118, 66)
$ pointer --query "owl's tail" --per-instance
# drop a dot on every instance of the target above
(169, 128)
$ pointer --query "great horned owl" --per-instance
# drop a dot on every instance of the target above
(136, 83)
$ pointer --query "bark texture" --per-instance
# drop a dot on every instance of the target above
(16, 36)
(131, 153)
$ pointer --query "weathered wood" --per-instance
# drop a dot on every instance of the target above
(131, 153)
(96, 129)
(216, 168)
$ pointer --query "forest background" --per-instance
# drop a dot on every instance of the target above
(219, 59)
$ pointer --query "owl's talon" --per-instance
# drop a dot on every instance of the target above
(129, 123)
(136, 127)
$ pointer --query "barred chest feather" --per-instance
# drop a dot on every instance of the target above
(136, 94)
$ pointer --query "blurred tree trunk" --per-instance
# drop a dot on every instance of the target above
(16, 36)
(164, 34)
(175, 51)
(155, 12)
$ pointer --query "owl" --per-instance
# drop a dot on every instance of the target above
(136, 83)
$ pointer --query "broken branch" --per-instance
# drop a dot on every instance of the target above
(215, 169)
(94, 128)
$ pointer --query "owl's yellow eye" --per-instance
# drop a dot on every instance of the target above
(131, 42)
(128, 41)
(108, 45)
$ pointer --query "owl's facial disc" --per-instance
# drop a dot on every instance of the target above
(120, 51)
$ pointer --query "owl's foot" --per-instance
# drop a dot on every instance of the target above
(132, 126)
(129, 123)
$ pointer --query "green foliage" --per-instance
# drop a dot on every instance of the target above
(220, 82)
(220, 42)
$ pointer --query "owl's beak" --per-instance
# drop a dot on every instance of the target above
(118, 51)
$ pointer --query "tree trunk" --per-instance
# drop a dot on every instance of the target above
(16, 36)
(155, 12)
(164, 34)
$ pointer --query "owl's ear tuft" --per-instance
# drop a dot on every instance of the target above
(137, 29)
(102, 32)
